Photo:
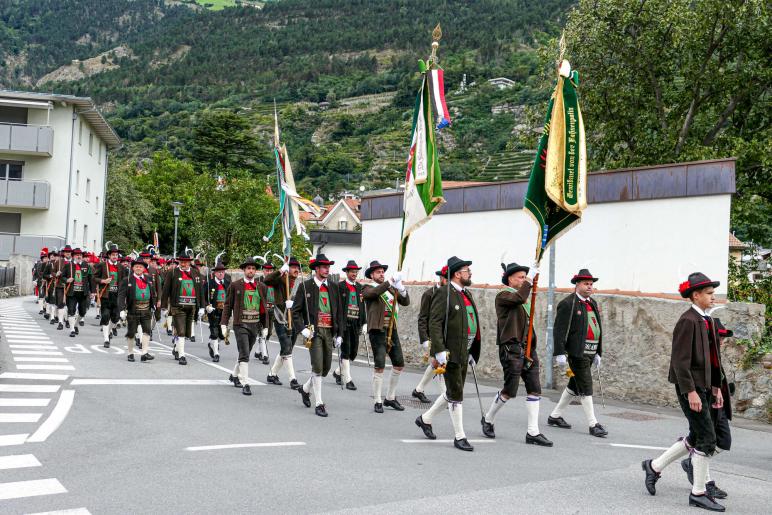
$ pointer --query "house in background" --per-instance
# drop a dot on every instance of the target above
(337, 232)
(736, 248)
(53, 172)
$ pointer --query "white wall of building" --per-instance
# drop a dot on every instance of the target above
(88, 176)
(341, 254)
(647, 246)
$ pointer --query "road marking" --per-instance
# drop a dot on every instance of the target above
(29, 388)
(164, 382)
(42, 360)
(27, 401)
(36, 487)
(27, 337)
(9, 418)
(12, 439)
(426, 440)
(38, 352)
(31, 342)
(37, 346)
(638, 446)
(242, 445)
(41, 377)
(26, 332)
(18, 461)
(73, 511)
(45, 367)
(55, 419)
(209, 363)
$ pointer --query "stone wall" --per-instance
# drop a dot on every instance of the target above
(9, 291)
(23, 265)
(637, 342)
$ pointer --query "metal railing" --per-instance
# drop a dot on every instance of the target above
(7, 276)
(24, 193)
(26, 139)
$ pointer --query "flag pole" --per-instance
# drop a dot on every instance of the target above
(287, 251)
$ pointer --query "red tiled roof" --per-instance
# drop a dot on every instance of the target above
(735, 243)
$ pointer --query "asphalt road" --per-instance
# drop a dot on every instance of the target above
(102, 435)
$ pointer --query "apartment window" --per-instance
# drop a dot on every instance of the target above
(74, 230)
(77, 181)
(11, 171)
(88, 189)
(91, 143)
(80, 133)
(85, 235)
(10, 223)
(342, 225)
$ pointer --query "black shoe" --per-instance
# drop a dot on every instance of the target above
(265, 360)
(216, 358)
(52, 321)
(426, 428)
(687, 466)
(487, 429)
(67, 324)
(273, 380)
(235, 380)
(394, 404)
(598, 430)
(351, 386)
(705, 502)
(539, 439)
(169, 332)
(175, 354)
(41, 311)
(115, 331)
(259, 356)
(246, 390)
(559, 422)
(47, 316)
(72, 334)
(337, 378)
(106, 344)
(60, 327)
(462, 444)
(131, 358)
(321, 411)
(651, 477)
(183, 361)
(378, 407)
(192, 338)
(715, 492)
(211, 350)
(306, 397)
(147, 357)
(98, 316)
(420, 396)
(294, 384)
(76, 330)
(81, 323)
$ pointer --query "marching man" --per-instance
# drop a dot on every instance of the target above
(381, 314)
(183, 292)
(217, 290)
(270, 300)
(107, 277)
(245, 305)
(578, 333)
(40, 281)
(354, 309)
(136, 298)
(454, 332)
(695, 370)
(282, 318)
(61, 301)
(75, 276)
(423, 335)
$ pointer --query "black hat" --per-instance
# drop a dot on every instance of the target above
(250, 261)
(268, 266)
(293, 261)
(443, 272)
(138, 261)
(510, 269)
(219, 267)
(320, 259)
(374, 265)
(77, 251)
(183, 257)
(696, 281)
(113, 248)
(66, 248)
(351, 265)
(723, 332)
(455, 264)
(583, 275)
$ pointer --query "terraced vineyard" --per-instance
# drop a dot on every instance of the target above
(507, 166)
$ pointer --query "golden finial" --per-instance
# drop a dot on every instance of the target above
(561, 47)
(436, 37)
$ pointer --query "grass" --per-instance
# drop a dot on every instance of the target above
(216, 5)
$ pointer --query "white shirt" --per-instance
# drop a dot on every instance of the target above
(699, 310)
(352, 283)
(139, 277)
(320, 283)
(458, 287)
(249, 281)
(583, 299)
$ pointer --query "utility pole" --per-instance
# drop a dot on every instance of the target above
(176, 206)
(550, 317)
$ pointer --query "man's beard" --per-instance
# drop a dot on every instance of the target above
(466, 282)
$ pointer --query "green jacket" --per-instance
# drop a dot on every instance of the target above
(455, 338)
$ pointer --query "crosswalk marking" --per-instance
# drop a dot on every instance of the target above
(55, 419)
(10, 418)
(26, 401)
(18, 461)
(34, 346)
(27, 336)
(39, 377)
(29, 332)
(73, 511)
(32, 488)
(31, 342)
(13, 439)
(42, 360)
(37, 352)
(29, 388)
(45, 367)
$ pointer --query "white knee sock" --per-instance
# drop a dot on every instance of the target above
(243, 372)
(565, 399)
(308, 385)
(496, 405)
(346, 371)
(72, 322)
(393, 380)
(236, 370)
(51, 309)
(532, 408)
(428, 376)
(192, 330)
(263, 346)
(457, 417)
(700, 467)
(216, 347)
(278, 363)
(676, 451)
(290, 367)
(377, 386)
(440, 404)
(181, 346)
(62, 315)
(589, 411)
(318, 389)
(106, 332)
(145, 343)
(130, 345)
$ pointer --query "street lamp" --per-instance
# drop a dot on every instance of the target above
(176, 206)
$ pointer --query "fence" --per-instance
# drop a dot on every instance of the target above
(7, 276)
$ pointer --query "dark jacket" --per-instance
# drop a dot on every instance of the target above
(172, 282)
(343, 288)
(424, 312)
(234, 303)
(448, 300)
(570, 331)
(211, 290)
(69, 271)
(126, 292)
(305, 309)
(58, 270)
(376, 306)
(276, 279)
(511, 318)
(102, 271)
(690, 366)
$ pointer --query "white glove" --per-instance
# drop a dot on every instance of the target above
(200, 312)
(364, 328)
(596, 361)
(472, 362)
(397, 277)
(532, 271)
(426, 345)
(338, 342)
(441, 357)
(284, 268)
(123, 315)
(58, 273)
(264, 332)
(561, 360)
(224, 329)
(289, 304)
(209, 308)
(307, 333)
(163, 312)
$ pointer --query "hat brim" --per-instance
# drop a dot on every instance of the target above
(578, 278)
(315, 264)
(256, 265)
(347, 268)
(507, 273)
(458, 266)
(688, 291)
(370, 270)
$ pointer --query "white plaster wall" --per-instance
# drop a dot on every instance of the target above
(341, 254)
(340, 214)
(647, 246)
(84, 209)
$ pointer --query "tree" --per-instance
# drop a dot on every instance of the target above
(127, 210)
(223, 139)
(679, 80)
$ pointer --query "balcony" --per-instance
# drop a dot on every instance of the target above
(25, 194)
(29, 140)
(26, 244)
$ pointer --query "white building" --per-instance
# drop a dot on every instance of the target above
(645, 229)
(53, 172)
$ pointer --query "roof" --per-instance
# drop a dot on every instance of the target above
(735, 243)
(351, 203)
(85, 107)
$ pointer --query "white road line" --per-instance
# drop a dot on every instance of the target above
(209, 363)
(12, 439)
(638, 446)
(10, 418)
(29, 388)
(27, 401)
(425, 440)
(31, 342)
(18, 461)
(55, 419)
(35, 346)
(37, 352)
(33, 488)
(42, 360)
(163, 382)
(242, 445)
(45, 367)
(73, 511)
(38, 377)
(28, 332)
(28, 337)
